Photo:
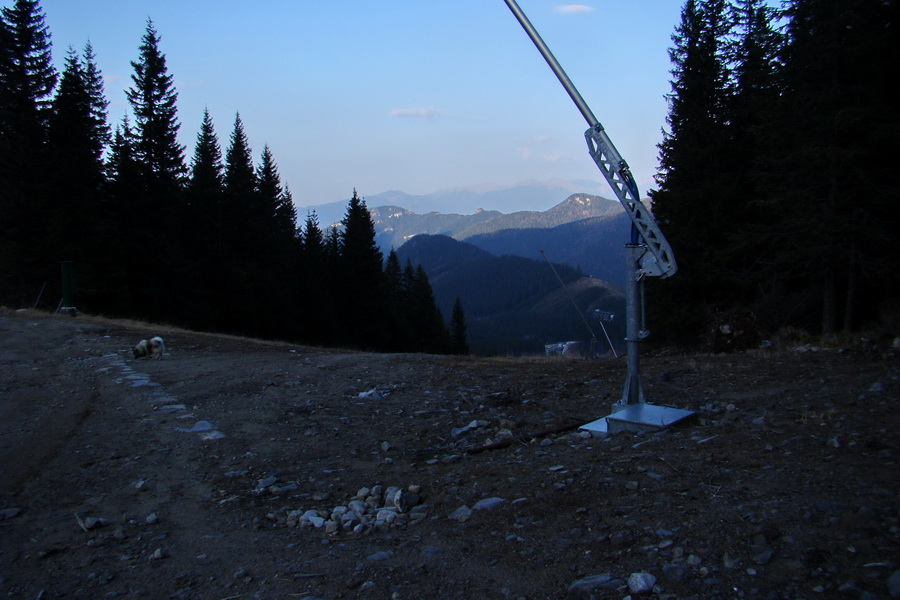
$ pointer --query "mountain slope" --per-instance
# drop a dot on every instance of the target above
(512, 304)
(596, 245)
(524, 233)
(394, 225)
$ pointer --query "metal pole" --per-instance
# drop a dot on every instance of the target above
(633, 392)
(554, 64)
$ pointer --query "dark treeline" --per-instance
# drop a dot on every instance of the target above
(212, 243)
(777, 188)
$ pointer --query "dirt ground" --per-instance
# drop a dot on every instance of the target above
(192, 477)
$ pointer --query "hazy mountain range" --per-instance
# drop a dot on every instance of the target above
(534, 195)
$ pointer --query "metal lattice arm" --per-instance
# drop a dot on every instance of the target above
(661, 261)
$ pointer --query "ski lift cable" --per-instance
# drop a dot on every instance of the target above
(572, 300)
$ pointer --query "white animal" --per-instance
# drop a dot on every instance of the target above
(148, 348)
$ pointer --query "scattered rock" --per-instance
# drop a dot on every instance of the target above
(641, 583)
(893, 585)
(488, 504)
(461, 514)
(89, 523)
(10, 513)
(593, 587)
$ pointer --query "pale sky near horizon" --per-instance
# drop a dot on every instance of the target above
(416, 96)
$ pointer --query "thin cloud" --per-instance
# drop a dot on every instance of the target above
(573, 9)
(429, 113)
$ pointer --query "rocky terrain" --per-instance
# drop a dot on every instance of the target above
(235, 468)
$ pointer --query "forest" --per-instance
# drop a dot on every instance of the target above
(214, 244)
(775, 188)
(776, 185)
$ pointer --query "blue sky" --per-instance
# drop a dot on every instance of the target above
(410, 95)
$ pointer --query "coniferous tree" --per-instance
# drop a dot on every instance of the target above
(203, 228)
(277, 249)
(696, 167)
(313, 240)
(27, 80)
(207, 170)
(240, 187)
(205, 189)
(360, 293)
(93, 83)
(157, 204)
(153, 100)
(80, 229)
(429, 330)
(756, 65)
(458, 341)
(241, 225)
(277, 202)
(316, 310)
(833, 191)
(395, 296)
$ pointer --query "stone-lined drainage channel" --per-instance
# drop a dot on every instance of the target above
(159, 398)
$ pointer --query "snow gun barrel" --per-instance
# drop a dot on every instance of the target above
(554, 64)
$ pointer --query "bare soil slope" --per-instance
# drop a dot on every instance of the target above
(193, 477)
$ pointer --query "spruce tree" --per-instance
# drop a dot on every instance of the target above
(399, 334)
(835, 192)
(313, 240)
(458, 341)
(80, 229)
(204, 237)
(122, 176)
(429, 329)
(316, 309)
(360, 290)
(27, 80)
(93, 82)
(241, 226)
(277, 250)
(277, 203)
(207, 170)
(153, 101)
(695, 171)
(240, 188)
(157, 206)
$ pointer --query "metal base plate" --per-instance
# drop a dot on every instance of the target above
(640, 417)
(598, 428)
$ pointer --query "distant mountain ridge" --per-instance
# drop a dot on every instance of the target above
(395, 225)
(527, 196)
(584, 231)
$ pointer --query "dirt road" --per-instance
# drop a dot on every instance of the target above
(233, 469)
